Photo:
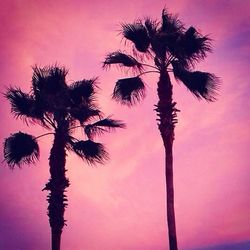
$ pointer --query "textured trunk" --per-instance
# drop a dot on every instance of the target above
(56, 240)
(57, 185)
(167, 118)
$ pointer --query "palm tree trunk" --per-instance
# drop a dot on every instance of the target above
(167, 118)
(57, 185)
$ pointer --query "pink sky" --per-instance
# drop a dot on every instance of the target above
(121, 206)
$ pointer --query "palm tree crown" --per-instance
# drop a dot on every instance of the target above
(170, 47)
(51, 103)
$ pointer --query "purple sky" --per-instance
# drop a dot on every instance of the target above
(121, 206)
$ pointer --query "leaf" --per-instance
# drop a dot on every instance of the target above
(129, 90)
(137, 33)
(50, 88)
(171, 24)
(122, 59)
(24, 106)
(83, 91)
(193, 46)
(49, 80)
(151, 26)
(20, 148)
(84, 112)
(91, 151)
(101, 126)
(201, 84)
(165, 40)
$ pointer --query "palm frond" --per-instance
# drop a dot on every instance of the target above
(129, 91)
(151, 26)
(167, 35)
(101, 126)
(122, 59)
(90, 151)
(83, 91)
(201, 84)
(171, 24)
(20, 148)
(84, 112)
(71, 140)
(137, 33)
(24, 106)
(193, 46)
(50, 89)
(49, 80)
(180, 65)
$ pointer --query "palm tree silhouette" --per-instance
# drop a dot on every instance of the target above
(170, 47)
(62, 109)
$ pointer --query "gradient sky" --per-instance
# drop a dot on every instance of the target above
(121, 206)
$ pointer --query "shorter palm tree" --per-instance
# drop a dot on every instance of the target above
(62, 109)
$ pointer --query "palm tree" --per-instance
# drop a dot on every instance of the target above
(170, 47)
(62, 109)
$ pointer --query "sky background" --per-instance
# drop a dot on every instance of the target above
(121, 206)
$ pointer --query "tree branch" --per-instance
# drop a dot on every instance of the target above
(44, 135)
(144, 64)
(146, 72)
(170, 58)
(47, 119)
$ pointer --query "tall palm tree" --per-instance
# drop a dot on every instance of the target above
(62, 109)
(170, 47)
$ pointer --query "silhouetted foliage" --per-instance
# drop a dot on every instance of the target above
(168, 43)
(201, 84)
(122, 60)
(91, 151)
(20, 148)
(137, 33)
(83, 91)
(129, 90)
(101, 126)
